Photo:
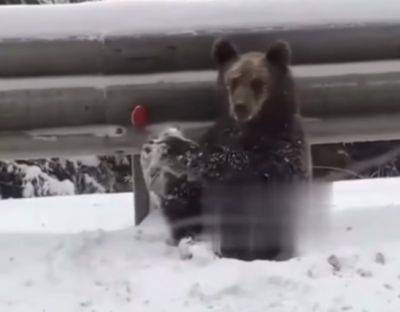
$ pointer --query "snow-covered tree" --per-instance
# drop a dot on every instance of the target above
(58, 176)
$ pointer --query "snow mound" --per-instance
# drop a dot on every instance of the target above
(351, 264)
(135, 270)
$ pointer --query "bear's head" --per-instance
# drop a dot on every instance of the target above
(257, 84)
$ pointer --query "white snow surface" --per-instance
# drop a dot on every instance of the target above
(48, 184)
(95, 20)
(66, 214)
(122, 268)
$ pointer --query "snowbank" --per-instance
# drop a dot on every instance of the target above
(97, 19)
(70, 214)
(351, 263)
(134, 270)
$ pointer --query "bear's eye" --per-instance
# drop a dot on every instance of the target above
(257, 85)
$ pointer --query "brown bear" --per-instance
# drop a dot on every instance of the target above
(244, 171)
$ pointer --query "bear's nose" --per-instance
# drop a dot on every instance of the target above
(241, 109)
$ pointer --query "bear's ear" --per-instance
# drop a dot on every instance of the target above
(279, 53)
(223, 52)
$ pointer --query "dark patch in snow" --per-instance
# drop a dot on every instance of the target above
(380, 258)
(28, 283)
(388, 286)
(85, 304)
(335, 263)
(364, 273)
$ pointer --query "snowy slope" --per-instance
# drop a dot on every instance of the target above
(134, 270)
(97, 19)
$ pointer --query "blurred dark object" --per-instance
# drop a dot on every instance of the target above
(251, 222)
(141, 194)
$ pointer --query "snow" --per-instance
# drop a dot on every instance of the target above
(95, 20)
(45, 184)
(349, 197)
(89, 257)
(66, 215)
(91, 161)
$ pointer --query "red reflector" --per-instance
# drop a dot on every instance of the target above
(140, 116)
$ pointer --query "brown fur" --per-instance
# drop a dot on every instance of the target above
(256, 155)
(255, 84)
(248, 164)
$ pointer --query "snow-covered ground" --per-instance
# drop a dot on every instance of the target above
(66, 215)
(83, 254)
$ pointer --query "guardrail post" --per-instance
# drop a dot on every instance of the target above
(140, 192)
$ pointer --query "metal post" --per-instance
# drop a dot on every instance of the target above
(140, 193)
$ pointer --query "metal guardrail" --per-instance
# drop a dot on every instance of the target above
(62, 114)
(52, 116)
(70, 89)
(159, 36)
(149, 53)
(326, 90)
(26, 145)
